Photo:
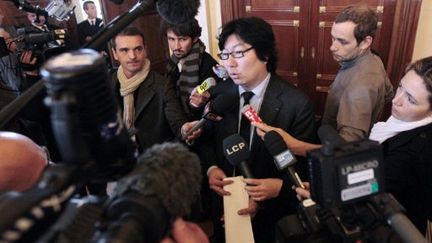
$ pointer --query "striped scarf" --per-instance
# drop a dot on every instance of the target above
(189, 76)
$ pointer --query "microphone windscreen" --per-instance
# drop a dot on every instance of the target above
(327, 134)
(206, 85)
(168, 172)
(178, 11)
(236, 149)
(274, 143)
(223, 102)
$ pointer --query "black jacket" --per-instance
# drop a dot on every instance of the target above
(408, 172)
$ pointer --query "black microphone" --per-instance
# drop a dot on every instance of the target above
(177, 11)
(236, 151)
(161, 187)
(283, 158)
(221, 103)
(327, 134)
(84, 115)
(25, 6)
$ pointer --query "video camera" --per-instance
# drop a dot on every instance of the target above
(347, 201)
(43, 44)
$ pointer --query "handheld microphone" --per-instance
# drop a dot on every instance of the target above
(249, 112)
(330, 139)
(217, 107)
(236, 151)
(206, 85)
(177, 11)
(162, 187)
(221, 72)
(283, 157)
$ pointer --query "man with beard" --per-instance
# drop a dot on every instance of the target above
(189, 65)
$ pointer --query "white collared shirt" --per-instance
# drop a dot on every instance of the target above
(255, 101)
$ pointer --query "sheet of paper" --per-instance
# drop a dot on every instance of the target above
(238, 228)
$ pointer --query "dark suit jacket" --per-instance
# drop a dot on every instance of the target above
(158, 115)
(408, 172)
(205, 71)
(85, 29)
(283, 106)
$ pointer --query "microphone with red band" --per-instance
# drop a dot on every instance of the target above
(249, 112)
(283, 157)
(236, 151)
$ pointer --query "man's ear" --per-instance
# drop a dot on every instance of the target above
(366, 42)
(114, 54)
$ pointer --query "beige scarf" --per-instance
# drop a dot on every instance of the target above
(127, 89)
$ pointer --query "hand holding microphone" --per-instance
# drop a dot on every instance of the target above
(200, 95)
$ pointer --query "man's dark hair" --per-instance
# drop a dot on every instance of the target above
(190, 28)
(423, 68)
(129, 31)
(364, 18)
(87, 3)
(256, 32)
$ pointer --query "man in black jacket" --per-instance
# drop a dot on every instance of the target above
(189, 65)
(90, 26)
(148, 100)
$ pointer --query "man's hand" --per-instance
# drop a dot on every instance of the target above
(263, 189)
(185, 129)
(186, 232)
(217, 182)
(303, 194)
(251, 210)
(198, 100)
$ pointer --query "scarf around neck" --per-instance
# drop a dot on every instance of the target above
(382, 131)
(189, 75)
(127, 89)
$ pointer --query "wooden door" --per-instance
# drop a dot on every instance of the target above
(287, 18)
(304, 49)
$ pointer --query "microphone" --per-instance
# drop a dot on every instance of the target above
(85, 120)
(217, 107)
(283, 157)
(330, 139)
(206, 85)
(177, 11)
(164, 183)
(327, 134)
(249, 112)
(236, 151)
(221, 72)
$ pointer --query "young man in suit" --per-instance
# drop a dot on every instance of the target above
(248, 52)
(90, 26)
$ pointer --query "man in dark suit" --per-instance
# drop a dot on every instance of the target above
(90, 26)
(248, 52)
(148, 100)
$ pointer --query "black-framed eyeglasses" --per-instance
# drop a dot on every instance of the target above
(235, 54)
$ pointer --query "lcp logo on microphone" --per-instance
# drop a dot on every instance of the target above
(235, 148)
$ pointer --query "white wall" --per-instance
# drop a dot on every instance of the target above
(209, 18)
(423, 40)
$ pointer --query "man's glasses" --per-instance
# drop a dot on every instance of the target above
(235, 54)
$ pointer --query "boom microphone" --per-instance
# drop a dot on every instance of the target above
(217, 107)
(283, 157)
(177, 11)
(236, 151)
(161, 187)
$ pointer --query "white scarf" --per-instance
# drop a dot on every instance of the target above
(381, 131)
(127, 89)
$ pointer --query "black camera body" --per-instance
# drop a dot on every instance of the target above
(345, 183)
(349, 173)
